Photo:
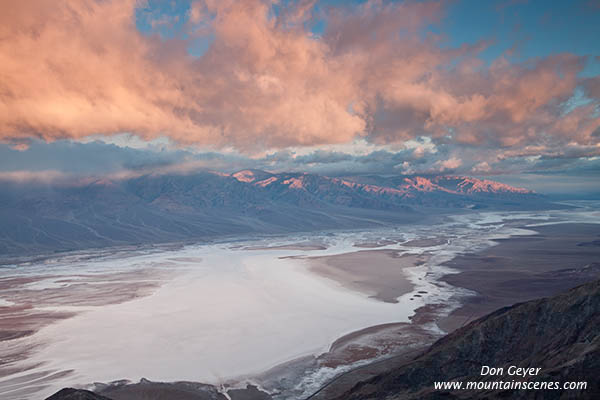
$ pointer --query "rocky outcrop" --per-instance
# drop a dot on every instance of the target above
(559, 335)
(148, 390)
(76, 394)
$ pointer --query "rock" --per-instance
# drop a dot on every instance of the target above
(76, 394)
(560, 335)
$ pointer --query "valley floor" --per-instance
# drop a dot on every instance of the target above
(315, 313)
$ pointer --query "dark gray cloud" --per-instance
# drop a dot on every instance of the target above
(73, 157)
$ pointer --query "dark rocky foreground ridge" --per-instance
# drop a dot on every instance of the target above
(38, 218)
(76, 394)
(147, 390)
(560, 335)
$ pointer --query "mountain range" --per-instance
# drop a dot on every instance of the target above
(41, 218)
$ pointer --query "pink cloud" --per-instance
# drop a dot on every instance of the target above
(482, 167)
(29, 176)
(449, 164)
(76, 69)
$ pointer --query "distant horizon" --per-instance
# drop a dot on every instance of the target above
(534, 183)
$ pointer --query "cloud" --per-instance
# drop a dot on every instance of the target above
(591, 87)
(71, 163)
(482, 167)
(84, 158)
(76, 69)
(449, 164)
(405, 168)
(25, 176)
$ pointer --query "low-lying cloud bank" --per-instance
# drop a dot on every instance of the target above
(65, 161)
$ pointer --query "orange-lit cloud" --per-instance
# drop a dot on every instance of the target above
(75, 69)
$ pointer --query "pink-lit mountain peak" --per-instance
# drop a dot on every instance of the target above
(440, 184)
(264, 179)
(421, 184)
(294, 183)
(251, 175)
(245, 176)
(465, 184)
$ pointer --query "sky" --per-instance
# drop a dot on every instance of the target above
(506, 89)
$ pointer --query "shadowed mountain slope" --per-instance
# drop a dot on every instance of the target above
(39, 218)
(560, 335)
